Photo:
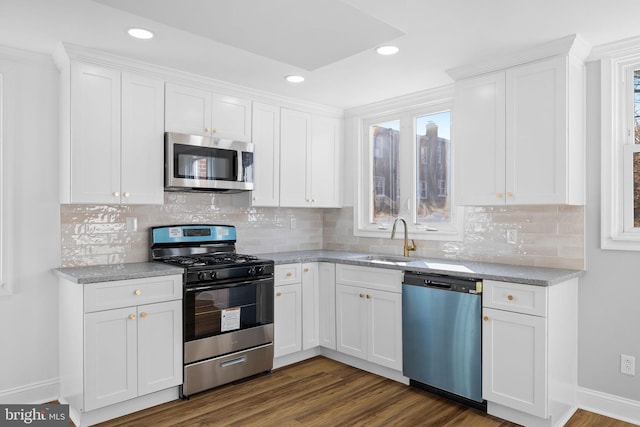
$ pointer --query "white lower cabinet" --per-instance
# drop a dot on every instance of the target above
(132, 351)
(327, 304)
(515, 361)
(120, 343)
(310, 305)
(287, 315)
(529, 351)
(369, 317)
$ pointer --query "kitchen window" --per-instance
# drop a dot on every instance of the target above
(405, 170)
(620, 168)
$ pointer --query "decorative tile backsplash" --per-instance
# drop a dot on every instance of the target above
(549, 236)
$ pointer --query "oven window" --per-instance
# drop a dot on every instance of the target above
(226, 309)
(205, 163)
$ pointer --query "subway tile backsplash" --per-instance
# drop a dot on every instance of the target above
(549, 236)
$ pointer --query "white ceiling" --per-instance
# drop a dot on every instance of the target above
(255, 43)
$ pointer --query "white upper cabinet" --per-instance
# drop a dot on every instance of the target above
(196, 111)
(142, 148)
(114, 150)
(309, 160)
(519, 136)
(266, 140)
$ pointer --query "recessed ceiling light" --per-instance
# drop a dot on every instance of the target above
(387, 50)
(140, 33)
(294, 79)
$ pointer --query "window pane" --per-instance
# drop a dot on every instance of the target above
(636, 104)
(433, 166)
(385, 197)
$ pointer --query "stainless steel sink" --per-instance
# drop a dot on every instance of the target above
(386, 259)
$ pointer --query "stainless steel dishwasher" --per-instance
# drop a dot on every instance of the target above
(441, 335)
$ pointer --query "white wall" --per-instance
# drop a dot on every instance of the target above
(29, 316)
(610, 290)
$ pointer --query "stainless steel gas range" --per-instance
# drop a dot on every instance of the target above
(227, 308)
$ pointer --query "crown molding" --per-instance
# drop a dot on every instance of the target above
(66, 52)
(620, 48)
(573, 45)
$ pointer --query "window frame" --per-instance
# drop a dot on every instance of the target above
(617, 148)
(407, 114)
(5, 286)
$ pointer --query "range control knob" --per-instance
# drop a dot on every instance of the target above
(261, 269)
(212, 275)
(251, 271)
(203, 275)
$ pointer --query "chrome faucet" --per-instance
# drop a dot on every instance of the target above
(407, 247)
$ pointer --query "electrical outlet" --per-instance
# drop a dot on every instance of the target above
(292, 223)
(512, 236)
(627, 364)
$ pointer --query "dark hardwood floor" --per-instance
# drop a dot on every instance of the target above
(322, 392)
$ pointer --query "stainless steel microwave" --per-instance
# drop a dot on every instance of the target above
(200, 163)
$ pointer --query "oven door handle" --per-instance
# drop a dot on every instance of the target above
(196, 288)
(233, 361)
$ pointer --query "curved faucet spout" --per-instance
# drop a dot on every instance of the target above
(407, 247)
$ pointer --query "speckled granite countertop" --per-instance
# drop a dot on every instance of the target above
(538, 276)
(108, 273)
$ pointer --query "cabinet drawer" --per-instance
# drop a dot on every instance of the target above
(125, 293)
(515, 297)
(287, 274)
(369, 277)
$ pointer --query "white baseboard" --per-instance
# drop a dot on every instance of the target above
(609, 405)
(35, 393)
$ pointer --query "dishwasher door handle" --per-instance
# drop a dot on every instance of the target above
(436, 284)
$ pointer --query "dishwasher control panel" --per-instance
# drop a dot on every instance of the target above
(449, 283)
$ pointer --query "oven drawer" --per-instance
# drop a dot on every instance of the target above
(211, 373)
(127, 293)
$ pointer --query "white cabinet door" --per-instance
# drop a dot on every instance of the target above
(266, 140)
(323, 159)
(351, 317)
(327, 304)
(514, 361)
(187, 110)
(295, 134)
(95, 134)
(142, 150)
(198, 111)
(111, 357)
(536, 132)
(384, 341)
(480, 140)
(159, 346)
(310, 306)
(231, 117)
(287, 335)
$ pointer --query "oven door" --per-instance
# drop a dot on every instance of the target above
(202, 163)
(222, 318)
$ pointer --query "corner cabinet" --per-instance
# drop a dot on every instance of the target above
(369, 314)
(310, 147)
(529, 351)
(519, 135)
(112, 149)
(197, 111)
(120, 342)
